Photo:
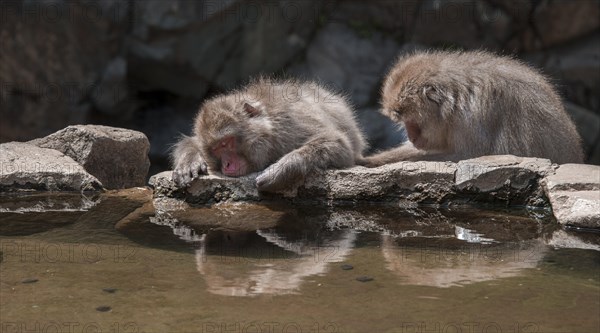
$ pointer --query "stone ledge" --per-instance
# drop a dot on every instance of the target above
(505, 180)
(571, 190)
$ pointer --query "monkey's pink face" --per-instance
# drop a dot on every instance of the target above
(232, 164)
(415, 134)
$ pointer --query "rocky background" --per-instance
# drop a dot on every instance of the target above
(148, 64)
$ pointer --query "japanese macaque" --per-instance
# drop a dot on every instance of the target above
(285, 129)
(460, 105)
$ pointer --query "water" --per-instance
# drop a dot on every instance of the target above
(113, 264)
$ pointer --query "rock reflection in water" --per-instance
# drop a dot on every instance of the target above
(421, 247)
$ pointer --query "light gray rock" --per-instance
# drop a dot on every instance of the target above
(484, 172)
(514, 178)
(576, 208)
(43, 202)
(207, 189)
(574, 177)
(574, 192)
(403, 182)
(25, 167)
(117, 157)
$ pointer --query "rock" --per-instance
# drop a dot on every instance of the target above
(40, 202)
(502, 179)
(357, 72)
(503, 176)
(112, 88)
(207, 189)
(461, 24)
(117, 157)
(560, 21)
(53, 53)
(406, 182)
(238, 39)
(393, 18)
(364, 278)
(517, 9)
(25, 167)
(574, 177)
(578, 208)
(165, 123)
(574, 192)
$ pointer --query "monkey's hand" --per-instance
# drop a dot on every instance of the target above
(184, 173)
(188, 162)
(283, 174)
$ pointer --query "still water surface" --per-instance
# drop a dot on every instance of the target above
(117, 265)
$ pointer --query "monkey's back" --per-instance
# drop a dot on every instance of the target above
(305, 109)
(511, 103)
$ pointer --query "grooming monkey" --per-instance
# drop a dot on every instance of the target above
(283, 128)
(460, 105)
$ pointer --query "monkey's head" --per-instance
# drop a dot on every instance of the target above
(413, 94)
(234, 135)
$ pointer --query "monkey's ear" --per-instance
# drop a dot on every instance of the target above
(251, 110)
(433, 94)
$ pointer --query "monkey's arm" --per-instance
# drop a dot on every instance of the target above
(187, 161)
(321, 152)
(405, 152)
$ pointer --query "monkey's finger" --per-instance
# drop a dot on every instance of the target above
(178, 178)
(204, 168)
(195, 172)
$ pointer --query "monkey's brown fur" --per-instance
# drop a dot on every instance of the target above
(460, 105)
(285, 128)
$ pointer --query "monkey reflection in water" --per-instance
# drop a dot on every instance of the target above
(267, 261)
(430, 250)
